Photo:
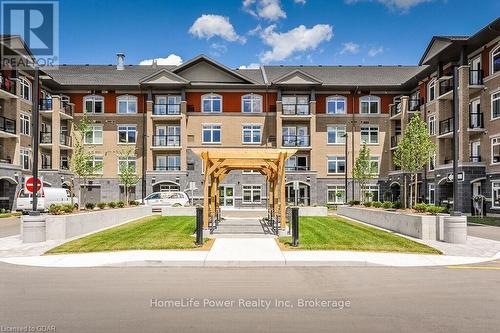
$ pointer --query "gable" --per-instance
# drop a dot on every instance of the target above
(164, 77)
(298, 77)
(436, 46)
(206, 72)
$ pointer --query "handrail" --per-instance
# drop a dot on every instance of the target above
(298, 109)
(165, 109)
(446, 126)
(296, 140)
(7, 125)
(166, 140)
(476, 77)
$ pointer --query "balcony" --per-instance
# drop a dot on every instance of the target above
(297, 168)
(395, 139)
(45, 105)
(446, 127)
(65, 140)
(475, 159)
(476, 121)
(414, 104)
(7, 127)
(296, 110)
(46, 165)
(475, 77)
(166, 110)
(167, 168)
(296, 141)
(446, 88)
(66, 110)
(46, 138)
(166, 141)
(395, 110)
(7, 87)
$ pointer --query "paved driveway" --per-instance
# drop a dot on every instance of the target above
(10, 226)
(484, 231)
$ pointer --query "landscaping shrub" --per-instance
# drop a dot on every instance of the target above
(120, 204)
(101, 205)
(368, 204)
(133, 203)
(421, 208)
(90, 205)
(68, 209)
(55, 209)
(376, 204)
(434, 210)
(2, 211)
(387, 205)
(397, 205)
(112, 204)
(354, 202)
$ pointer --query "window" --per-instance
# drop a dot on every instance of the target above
(495, 60)
(431, 90)
(94, 135)
(495, 105)
(432, 162)
(375, 165)
(295, 105)
(126, 104)
(495, 150)
(369, 104)
(97, 164)
(211, 103)
(432, 125)
(167, 105)
(252, 194)
(495, 193)
(126, 162)
(64, 162)
(93, 104)
(127, 133)
(252, 134)
(25, 158)
(432, 193)
(251, 103)
(168, 163)
(369, 134)
(335, 194)
(25, 124)
(211, 133)
(336, 105)
(336, 134)
(370, 193)
(25, 88)
(296, 163)
(336, 164)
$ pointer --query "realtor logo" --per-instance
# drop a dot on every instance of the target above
(37, 24)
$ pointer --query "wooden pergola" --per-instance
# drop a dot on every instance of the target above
(269, 162)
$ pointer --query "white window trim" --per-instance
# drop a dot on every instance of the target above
(93, 136)
(369, 189)
(127, 99)
(372, 158)
(203, 136)
(492, 194)
(243, 135)
(28, 151)
(492, 70)
(368, 99)
(252, 96)
(211, 95)
(369, 136)
(336, 98)
(93, 97)
(491, 145)
(491, 103)
(336, 202)
(118, 134)
(336, 135)
(24, 114)
(101, 158)
(127, 159)
(429, 191)
(25, 81)
(251, 191)
(433, 117)
(337, 159)
(433, 82)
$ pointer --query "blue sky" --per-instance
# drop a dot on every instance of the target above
(245, 32)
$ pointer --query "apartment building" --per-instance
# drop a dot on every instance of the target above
(161, 113)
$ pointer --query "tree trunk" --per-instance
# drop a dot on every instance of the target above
(404, 192)
(126, 195)
(416, 188)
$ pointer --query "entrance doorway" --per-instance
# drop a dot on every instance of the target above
(298, 196)
(226, 195)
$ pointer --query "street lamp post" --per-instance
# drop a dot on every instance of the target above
(345, 178)
(36, 136)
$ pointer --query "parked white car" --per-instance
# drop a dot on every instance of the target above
(49, 196)
(158, 199)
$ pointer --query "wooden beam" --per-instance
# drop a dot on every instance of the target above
(205, 193)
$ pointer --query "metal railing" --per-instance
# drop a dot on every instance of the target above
(395, 140)
(67, 108)
(166, 109)
(46, 165)
(395, 109)
(446, 126)
(476, 120)
(296, 109)
(166, 140)
(297, 168)
(7, 125)
(475, 77)
(296, 140)
(167, 168)
(414, 104)
(65, 139)
(475, 158)
(45, 104)
(45, 137)
(7, 84)
(445, 86)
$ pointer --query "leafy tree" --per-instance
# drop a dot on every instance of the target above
(81, 159)
(414, 150)
(128, 172)
(363, 169)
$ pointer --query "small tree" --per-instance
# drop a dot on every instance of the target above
(81, 162)
(363, 169)
(413, 151)
(128, 172)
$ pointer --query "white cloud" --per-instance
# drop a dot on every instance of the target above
(250, 66)
(208, 26)
(402, 5)
(373, 51)
(172, 59)
(350, 47)
(218, 49)
(285, 44)
(255, 30)
(302, 2)
(266, 9)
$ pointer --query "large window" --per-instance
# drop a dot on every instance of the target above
(25, 123)
(431, 90)
(212, 133)
(495, 60)
(251, 134)
(495, 193)
(252, 194)
(25, 158)
(97, 164)
(336, 105)
(495, 150)
(336, 134)
(296, 163)
(25, 88)
(211, 103)
(369, 134)
(369, 105)
(251, 103)
(295, 105)
(94, 135)
(371, 193)
(127, 133)
(126, 163)
(432, 125)
(375, 165)
(168, 163)
(432, 162)
(495, 105)
(335, 194)
(126, 104)
(93, 104)
(432, 193)
(336, 164)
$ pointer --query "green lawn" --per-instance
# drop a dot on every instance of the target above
(15, 214)
(151, 233)
(335, 233)
(494, 221)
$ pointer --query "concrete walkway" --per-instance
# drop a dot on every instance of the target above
(483, 231)
(10, 226)
(242, 227)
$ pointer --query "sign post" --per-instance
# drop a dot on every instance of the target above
(36, 136)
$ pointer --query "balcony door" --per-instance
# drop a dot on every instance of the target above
(475, 109)
(226, 195)
(475, 66)
(475, 148)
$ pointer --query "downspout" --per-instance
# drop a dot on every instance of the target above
(144, 139)
(353, 122)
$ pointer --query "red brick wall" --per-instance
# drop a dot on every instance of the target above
(231, 101)
(109, 101)
(353, 102)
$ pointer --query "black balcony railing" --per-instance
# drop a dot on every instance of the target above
(445, 86)
(7, 84)
(296, 140)
(414, 104)
(45, 137)
(297, 168)
(475, 158)
(45, 104)
(46, 165)
(7, 125)
(67, 108)
(166, 140)
(166, 109)
(296, 109)
(476, 120)
(167, 168)
(446, 126)
(65, 139)
(395, 109)
(476, 77)
(395, 140)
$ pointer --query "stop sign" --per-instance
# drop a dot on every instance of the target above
(30, 184)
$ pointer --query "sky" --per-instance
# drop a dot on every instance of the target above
(251, 32)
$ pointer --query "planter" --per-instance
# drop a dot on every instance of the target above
(178, 211)
(33, 229)
(455, 229)
(313, 211)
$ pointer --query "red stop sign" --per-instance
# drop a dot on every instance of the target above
(30, 184)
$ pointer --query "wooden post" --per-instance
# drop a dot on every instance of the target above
(205, 193)
(282, 193)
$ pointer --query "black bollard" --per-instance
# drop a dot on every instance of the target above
(295, 226)
(199, 226)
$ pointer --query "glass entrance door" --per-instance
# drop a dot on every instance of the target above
(226, 196)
